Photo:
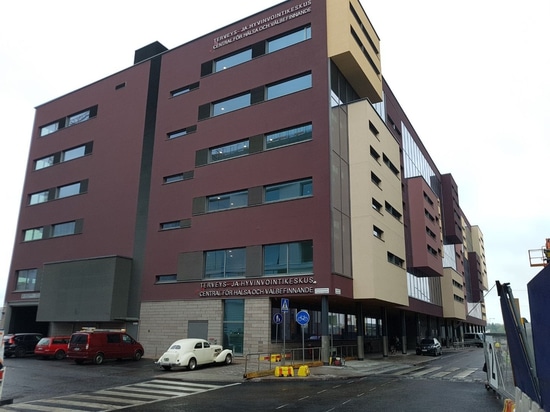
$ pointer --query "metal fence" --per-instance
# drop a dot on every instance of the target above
(500, 376)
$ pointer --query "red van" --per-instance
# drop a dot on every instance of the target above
(96, 345)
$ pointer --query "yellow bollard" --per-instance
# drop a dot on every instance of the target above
(303, 370)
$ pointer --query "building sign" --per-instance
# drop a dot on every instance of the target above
(262, 24)
(258, 287)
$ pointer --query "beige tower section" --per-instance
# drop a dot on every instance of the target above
(354, 47)
(378, 239)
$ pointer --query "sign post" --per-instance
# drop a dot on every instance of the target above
(302, 318)
(284, 309)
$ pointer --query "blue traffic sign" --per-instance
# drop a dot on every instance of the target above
(302, 317)
(284, 305)
(277, 318)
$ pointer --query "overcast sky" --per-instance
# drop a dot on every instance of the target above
(471, 76)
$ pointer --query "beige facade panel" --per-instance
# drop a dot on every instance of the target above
(354, 46)
(452, 308)
(479, 247)
(376, 209)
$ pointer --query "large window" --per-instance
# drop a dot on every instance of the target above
(229, 151)
(33, 234)
(289, 190)
(288, 258)
(39, 197)
(227, 201)
(63, 156)
(68, 190)
(232, 60)
(289, 86)
(233, 103)
(73, 153)
(289, 39)
(44, 162)
(26, 279)
(288, 136)
(225, 263)
(64, 229)
(70, 120)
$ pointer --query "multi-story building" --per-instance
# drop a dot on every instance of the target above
(262, 167)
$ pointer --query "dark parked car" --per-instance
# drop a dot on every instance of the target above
(429, 346)
(20, 344)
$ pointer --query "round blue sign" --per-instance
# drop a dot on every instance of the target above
(277, 318)
(302, 317)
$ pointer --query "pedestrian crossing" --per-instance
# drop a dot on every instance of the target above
(116, 398)
(429, 372)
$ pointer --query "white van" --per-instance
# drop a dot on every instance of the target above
(474, 339)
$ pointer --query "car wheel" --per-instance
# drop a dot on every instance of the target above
(60, 354)
(228, 359)
(19, 352)
(98, 358)
(192, 365)
(137, 355)
(166, 367)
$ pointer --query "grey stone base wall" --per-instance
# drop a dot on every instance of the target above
(162, 323)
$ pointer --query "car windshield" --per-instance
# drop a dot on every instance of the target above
(427, 341)
(175, 347)
(44, 341)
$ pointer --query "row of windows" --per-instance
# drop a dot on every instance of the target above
(270, 141)
(376, 156)
(59, 192)
(292, 258)
(63, 156)
(260, 94)
(51, 231)
(265, 47)
(70, 120)
(376, 205)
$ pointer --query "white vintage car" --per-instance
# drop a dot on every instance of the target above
(193, 352)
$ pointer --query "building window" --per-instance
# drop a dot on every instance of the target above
(376, 205)
(375, 179)
(289, 39)
(393, 212)
(289, 86)
(40, 197)
(33, 234)
(377, 232)
(64, 229)
(78, 118)
(373, 129)
(288, 258)
(184, 89)
(50, 128)
(391, 166)
(232, 60)
(73, 153)
(166, 278)
(44, 162)
(68, 190)
(397, 261)
(229, 151)
(289, 190)
(288, 136)
(231, 104)
(173, 178)
(225, 263)
(375, 155)
(176, 224)
(182, 132)
(227, 201)
(26, 279)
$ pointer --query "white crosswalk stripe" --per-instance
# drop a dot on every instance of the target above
(117, 398)
(426, 372)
